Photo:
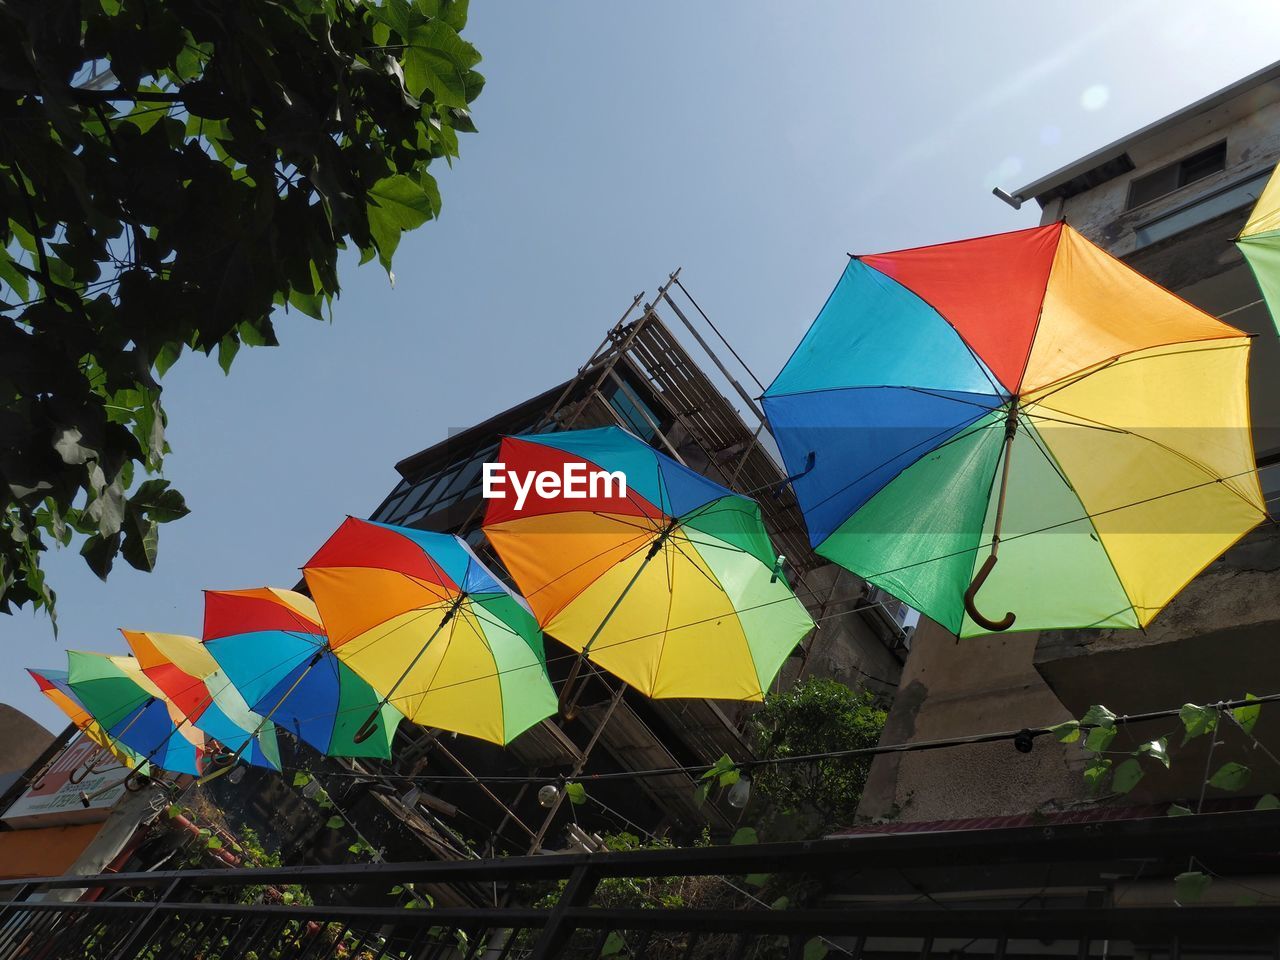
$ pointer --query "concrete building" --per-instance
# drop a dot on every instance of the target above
(1168, 200)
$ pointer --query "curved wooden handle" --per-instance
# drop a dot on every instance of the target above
(136, 781)
(366, 728)
(995, 626)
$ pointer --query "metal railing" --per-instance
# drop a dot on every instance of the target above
(1031, 891)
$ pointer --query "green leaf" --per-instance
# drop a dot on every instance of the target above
(745, 835)
(1097, 714)
(213, 843)
(815, 949)
(172, 810)
(301, 779)
(1189, 886)
(1157, 750)
(757, 879)
(1066, 732)
(397, 203)
(439, 61)
(1268, 801)
(700, 792)
(14, 277)
(100, 553)
(228, 347)
(159, 501)
(335, 823)
(1247, 716)
(576, 793)
(780, 904)
(613, 944)
(1197, 720)
(722, 766)
(1178, 810)
(1100, 737)
(1126, 776)
(1096, 773)
(730, 778)
(1231, 776)
(141, 542)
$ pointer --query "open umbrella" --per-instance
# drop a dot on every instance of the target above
(1259, 241)
(134, 711)
(53, 684)
(420, 617)
(270, 644)
(659, 575)
(193, 682)
(1025, 394)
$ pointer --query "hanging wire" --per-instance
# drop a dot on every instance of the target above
(879, 750)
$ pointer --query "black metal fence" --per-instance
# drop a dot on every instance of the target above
(1101, 890)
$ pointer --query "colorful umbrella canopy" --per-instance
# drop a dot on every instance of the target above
(1259, 241)
(420, 617)
(53, 684)
(671, 584)
(1026, 393)
(270, 644)
(193, 682)
(133, 711)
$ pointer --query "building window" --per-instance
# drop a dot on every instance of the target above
(1203, 163)
(638, 417)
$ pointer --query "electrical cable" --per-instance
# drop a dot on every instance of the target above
(881, 749)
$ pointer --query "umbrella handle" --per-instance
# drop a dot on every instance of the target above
(136, 781)
(995, 626)
(366, 728)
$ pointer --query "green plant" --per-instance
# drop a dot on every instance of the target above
(1119, 771)
(818, 715)
(172, 177)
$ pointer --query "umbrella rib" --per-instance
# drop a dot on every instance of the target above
(430, 687)
(955, 396)
(965, 432)
(995, 387)
(1070, 379)
(643, 542)
(1044, 452)
(714, 582)
(666, 629)
(1055, 526)
(1096, 425)
(1053, 462)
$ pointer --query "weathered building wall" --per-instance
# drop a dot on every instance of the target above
(982, 685)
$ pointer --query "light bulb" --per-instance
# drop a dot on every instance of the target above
(740, 793)
(236, 775)
(548, 794)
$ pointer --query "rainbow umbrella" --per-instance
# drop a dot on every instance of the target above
(421, 619)
(134, 711)
(668, 580)
(1025, 394)
(269, 643)
(53, 684)
(193, 682)
(1259, 241)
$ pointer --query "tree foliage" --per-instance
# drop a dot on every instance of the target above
(818, 715)
(173, 176)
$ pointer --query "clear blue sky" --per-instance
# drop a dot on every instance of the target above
(751, 143)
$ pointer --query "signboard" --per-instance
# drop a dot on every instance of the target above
(54, 799)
